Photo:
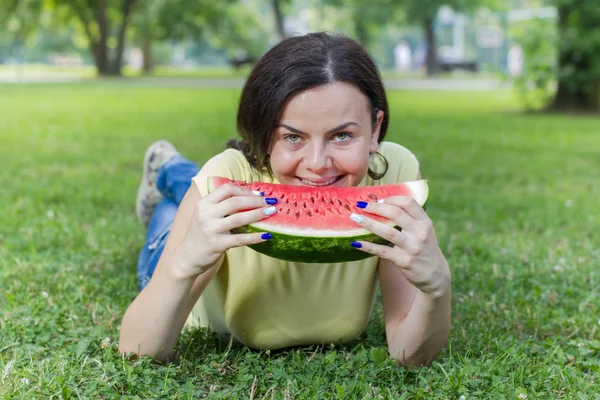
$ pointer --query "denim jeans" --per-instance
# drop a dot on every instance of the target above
(174, 179)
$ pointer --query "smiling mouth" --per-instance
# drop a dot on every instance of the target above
(328, 182)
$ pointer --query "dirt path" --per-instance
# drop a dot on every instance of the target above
(444, 84)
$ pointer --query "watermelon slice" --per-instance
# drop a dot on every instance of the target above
(313, 225)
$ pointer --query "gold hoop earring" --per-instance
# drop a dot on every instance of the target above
(378, 175)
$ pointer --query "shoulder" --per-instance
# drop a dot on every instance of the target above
(231, 164)
(403, 164)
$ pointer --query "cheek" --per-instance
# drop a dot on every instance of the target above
(355, 163)
(283, 162)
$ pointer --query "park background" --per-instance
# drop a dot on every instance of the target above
(498, 99)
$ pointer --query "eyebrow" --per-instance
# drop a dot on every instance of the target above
(337, 128)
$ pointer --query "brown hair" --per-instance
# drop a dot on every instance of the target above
(295, 65)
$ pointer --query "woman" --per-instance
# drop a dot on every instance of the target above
(313, 112)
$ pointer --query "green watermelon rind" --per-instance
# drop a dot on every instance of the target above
(310, 249)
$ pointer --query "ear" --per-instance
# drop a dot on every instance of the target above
(374, 145)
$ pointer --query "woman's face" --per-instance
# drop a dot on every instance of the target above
(325, 137)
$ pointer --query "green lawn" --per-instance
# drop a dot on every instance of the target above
(514, 199)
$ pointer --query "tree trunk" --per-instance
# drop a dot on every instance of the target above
(148, 62)
(362, 33)
(431, 59)
(578, 87)
(278, 19)
(117, 62)
(100, 48)
(99, 54)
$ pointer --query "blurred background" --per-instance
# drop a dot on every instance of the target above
(535, 46)
(498, 99)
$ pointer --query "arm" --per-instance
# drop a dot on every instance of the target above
(417, 324)
(153, 322)
(198, 240)
(415, 283)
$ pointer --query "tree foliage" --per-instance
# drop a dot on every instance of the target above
(176, 20)
(107, 25)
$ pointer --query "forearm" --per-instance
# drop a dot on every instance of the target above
(419, 338)
(153, 322)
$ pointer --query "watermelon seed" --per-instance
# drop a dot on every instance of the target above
(312, 199)
(304, 205)
(372, 196)
(309, 213)
(295, 204)
(287, 211)
(347, 207)
(297, 214)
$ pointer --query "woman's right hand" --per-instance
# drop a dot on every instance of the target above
(208, 235)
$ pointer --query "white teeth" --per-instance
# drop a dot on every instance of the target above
(329, 182)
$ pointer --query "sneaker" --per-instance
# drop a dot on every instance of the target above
(148, 195)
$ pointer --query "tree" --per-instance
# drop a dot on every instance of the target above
(578, 56)
(99, 19)
(367, 16)
(175, 20)
(104, 23)
(19, 19)
(277, 11)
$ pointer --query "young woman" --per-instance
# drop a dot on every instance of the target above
(313, 112)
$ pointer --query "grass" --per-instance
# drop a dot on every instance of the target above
(514, 199)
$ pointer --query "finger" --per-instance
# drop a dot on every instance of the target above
(408, 204)
(246, 217)
(380, 229)
(388, 211)
(395, 255)
(226, 191)
(244, 239)
(236, 204)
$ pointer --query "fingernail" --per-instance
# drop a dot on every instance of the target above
(357, 218)
(266, 236)
(362, 204)
(356, 245)
(271, 200)
(258, 193)
(269, 210)
(380, 201)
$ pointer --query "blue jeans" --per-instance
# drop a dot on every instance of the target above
(174, 179)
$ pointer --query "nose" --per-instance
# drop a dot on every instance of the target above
(317, 159)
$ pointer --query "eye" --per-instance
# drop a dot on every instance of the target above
(292, 138)
(342, 136)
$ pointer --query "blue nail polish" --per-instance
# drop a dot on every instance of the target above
(362, 204)
(266, 236)
(356, 245)
(271, 200)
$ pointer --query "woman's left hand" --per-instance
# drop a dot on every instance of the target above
(415, 247)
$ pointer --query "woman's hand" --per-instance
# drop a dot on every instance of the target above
(208, 235)
(415, 247)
